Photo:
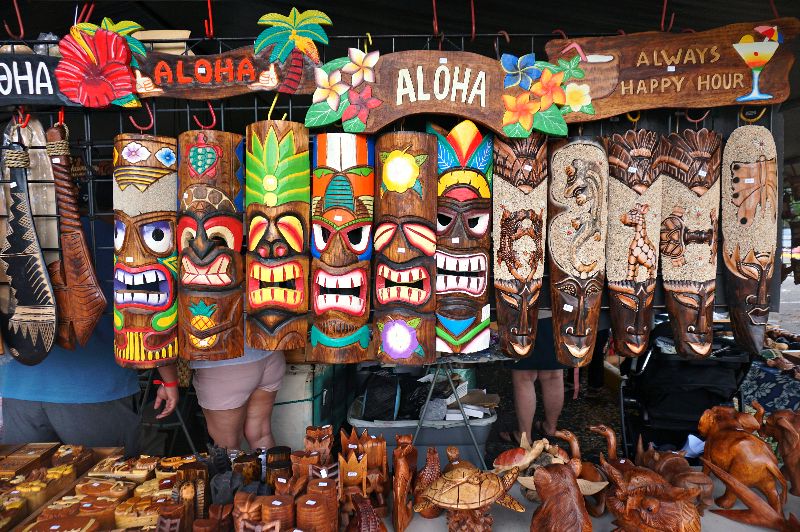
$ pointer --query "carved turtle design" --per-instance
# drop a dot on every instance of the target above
(207, 199)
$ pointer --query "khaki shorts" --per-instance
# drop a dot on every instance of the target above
(228, 387)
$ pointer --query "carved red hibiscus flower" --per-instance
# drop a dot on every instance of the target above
(94, 69)
(360, 104)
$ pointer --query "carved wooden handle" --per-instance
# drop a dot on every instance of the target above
(66, 190)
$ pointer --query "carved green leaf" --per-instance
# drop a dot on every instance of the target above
(321, 114)
(588, 109)
(123, 27)
(380, 326)
(550, 121)
(516, 131)
(384, 155)
(354, 125)
(335, 64)
(420, 159)
(414, 322)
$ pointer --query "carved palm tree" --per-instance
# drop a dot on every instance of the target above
(292, 38)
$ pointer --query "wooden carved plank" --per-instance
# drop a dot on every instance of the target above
(405, 244)
(30, 328)
(27, 78)
(41, 190)
(145, 256)
(463, 238)
(690, 164)
(634, 214)
(209, 237)
(576, 241)
(342, 195)
(79, 299)
(745, 63)
(277, 198)
(519, 222)
(749, 224)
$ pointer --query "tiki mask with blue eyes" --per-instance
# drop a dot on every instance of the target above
(464, 213)
(342, 193)
(209, 238)
(145, 254)
(277, 199)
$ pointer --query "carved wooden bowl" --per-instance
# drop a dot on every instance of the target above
(279, 508)
(313, 514)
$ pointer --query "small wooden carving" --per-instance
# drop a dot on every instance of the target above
(783, 426)
(377, 472)
(222, 516)
(352, 480)
(576, 240)
(279, 508)
(210, 192)
(749, 221)
(277, 199)
(276, 470)
(404, 458)
(249, 466)
(425, 478)
(690, 165)
(731, 445)
(313, 514)
(519, 228)
(634, 214)
(279, 453)
(145, 254)
(405, 244)
(320, 439)
(343, 187)
(365, 518)
(246, 507)
(463, 238)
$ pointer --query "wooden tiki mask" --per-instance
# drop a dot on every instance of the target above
(576, 241)
(342, 190)
(690, 164)
(634, 214)
(145, 254)
(519, 222)
(463, 218)
(405, 244)
(749, 225)
(210, 203)
(277, 198)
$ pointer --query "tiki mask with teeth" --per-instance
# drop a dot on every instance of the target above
(210, 193)
(405, 244)
(342, 190)
(145, 255)
(463, 220)
(277, 198)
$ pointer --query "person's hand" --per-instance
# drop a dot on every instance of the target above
(169, 397)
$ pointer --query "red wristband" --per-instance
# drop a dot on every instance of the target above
(165, 384)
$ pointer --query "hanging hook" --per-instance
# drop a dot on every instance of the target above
(60, 119)
(634, 119)
(435, 19)
(142, 129)
(271, 107)
(664, 16)
(22, 117)
(369, 38)
(504, 34)
(758, 117)
(472, 15)
(213, 118)
(774, 9)
(695, 121)
(559, 31)
(11, 34)
(85, 14)
(209, 22)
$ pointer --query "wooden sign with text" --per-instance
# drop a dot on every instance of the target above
(738, 64)
(29, 79)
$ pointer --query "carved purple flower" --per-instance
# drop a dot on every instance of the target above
(398, 339)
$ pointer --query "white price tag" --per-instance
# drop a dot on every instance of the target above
(352, 446)
(442, 60)
(323, 484)
(527, 167)
(12, 185)
(702, 173)
(337, 218)
(282, 480)
(352, 473)
(277, 503)
(568, 307)
(631, 169)
(311, 503)
(401, 250)
(749, 180)
(456, 240)
(671, 68)
(128, 259)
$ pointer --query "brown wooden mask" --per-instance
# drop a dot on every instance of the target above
(576, 240)
(145, 255)
(210, 192)
(342, 190)
(519, 221)
(463, 238)
(405, 244)
(749, 224)
(690, 167)
(277, 198)
(634, 212)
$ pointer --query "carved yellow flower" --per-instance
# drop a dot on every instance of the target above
(577, 96)
(400, 171)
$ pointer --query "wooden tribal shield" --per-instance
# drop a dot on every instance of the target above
(342, 194)
(690, 164)
(576, 241)
(405, 244)
(749, 225)
(209, 239)
(277, 222)
(634, 215)
(145, 254)
(463, 221)
(519, 221)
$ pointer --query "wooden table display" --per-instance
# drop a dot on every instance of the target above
(634, 214)
(463, 243)
(576, 241)
(277, 220)
(405, 244)
(79, 300)
(749, 220)
(518, 231)
(343, 187)
(690, 163)
(211, 271)
(145, 255)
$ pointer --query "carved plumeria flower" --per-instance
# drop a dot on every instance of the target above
(360, 104)
(361, 66)
(520, 109)
(577, 95)
(549, 90)
(329, 87)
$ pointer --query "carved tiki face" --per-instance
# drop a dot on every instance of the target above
(211, 191)
(691, 306)
(277, 198)
(520, 215)
(145, 256)
(405, 244)
(342, 192)
(463, 235)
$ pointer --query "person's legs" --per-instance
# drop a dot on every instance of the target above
(258, 420)
(105, 424)
(225, 426)
(25, 422)
(524, 399)
(552, 382)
